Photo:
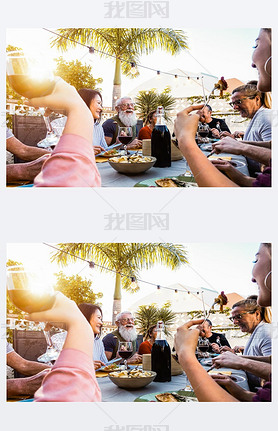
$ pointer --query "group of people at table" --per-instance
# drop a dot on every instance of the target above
(72, 163)
(73, 376)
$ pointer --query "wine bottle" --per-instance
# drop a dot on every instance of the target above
(161, 356)
(161, 141)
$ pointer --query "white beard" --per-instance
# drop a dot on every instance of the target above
(128, 334)
(128, 119)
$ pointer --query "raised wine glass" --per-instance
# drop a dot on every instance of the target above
(203, 346)
(125, 136)
(125, 350)
(30, 76)
(30, 292)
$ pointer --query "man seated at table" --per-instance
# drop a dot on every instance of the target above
(216, 125)
(21, 172)
(254, 320)
(126, 331)
(216, 340)
(24, 386)
(125, 117)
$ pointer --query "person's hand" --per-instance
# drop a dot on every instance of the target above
(225, 133)
(215, 347)
(186, 125)
(136, 144)
(98, 149)
(238, 134)
(226, 349)
(238, 349)
(186, 339)
(228, 360)
(64, 310)
(31, 384)
(215, 133)
(223, 165)
(98, 364)
(64, 96)
(135, 359)
(225, 381)
(227, 145)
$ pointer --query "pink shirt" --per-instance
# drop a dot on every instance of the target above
(72, 164)
(72, 378)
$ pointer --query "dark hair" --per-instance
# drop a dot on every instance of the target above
(209, 322)
(250, 89)
(87, 94)
(149, 332)
(209, 107)
(88, 310)
(250, 304)
(149, 117)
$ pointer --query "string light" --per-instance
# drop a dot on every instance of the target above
(134, 282)
(92, 50)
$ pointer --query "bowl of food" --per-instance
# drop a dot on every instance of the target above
(133, 379)
(132, 165)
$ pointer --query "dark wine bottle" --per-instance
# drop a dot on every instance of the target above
(161, 356)
(161, 141)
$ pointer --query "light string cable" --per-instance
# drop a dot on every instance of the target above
(93, 264)
(92, 50)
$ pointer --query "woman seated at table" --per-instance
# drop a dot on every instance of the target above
(146, 131)
(72, 378)
(205, 387)
(93, 314)
(205, 172)
(72, 163)
(146, 346)
(93, 100)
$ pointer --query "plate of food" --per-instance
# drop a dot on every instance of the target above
(179, 396)
(110, 368)
(178, 181)
(110, 153)
(132, 379)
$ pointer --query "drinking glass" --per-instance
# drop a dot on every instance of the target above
(29, 75)
(125, 350)
(51, 139)
(203, 131)
(203, 346)
(30, 292)
(125, 135)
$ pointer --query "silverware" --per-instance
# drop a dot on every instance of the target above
(211, 368)
(211, 153)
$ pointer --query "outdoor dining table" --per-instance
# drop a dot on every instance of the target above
(112, 178)
(112, 393)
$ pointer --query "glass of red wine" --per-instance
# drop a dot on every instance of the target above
(125, 136)
(203, 346)
(125, 350)
(30, 292)
(203, 132)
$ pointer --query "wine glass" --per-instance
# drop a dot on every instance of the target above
(125, 135)
(52, 138)
(203, 131)
(203, 346)
(29, 74)
(30, 292)
(125, 350)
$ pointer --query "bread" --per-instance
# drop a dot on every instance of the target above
(165, 182)
(166, 398)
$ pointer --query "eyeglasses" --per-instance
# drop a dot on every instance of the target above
(239, 316)
(239, 101)
(126, 105)
(128, 319)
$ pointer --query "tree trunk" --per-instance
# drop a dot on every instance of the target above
(117, 298)
(116, 83)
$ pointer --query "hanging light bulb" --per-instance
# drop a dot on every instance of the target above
(158, 289)
(158, 72)
(176, 290)
(91, 50)
(91, 265)
(188, 77)
(133, 68)
(133, 283)
(176, 76)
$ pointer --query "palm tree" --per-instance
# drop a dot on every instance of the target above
(126, 259)
(147, 101)
(125, 44)
(148, 315)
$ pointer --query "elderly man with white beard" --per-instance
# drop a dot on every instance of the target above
(125, 117)
(126, 331)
